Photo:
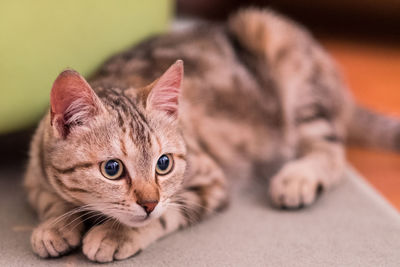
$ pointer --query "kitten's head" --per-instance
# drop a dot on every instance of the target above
(120, 151)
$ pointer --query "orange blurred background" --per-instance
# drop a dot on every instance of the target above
(373, 74)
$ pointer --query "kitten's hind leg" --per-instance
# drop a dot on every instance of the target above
(313, 100)
(320, 164)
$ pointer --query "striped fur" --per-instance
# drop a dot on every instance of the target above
(257, 89)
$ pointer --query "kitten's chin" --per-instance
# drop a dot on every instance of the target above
(136, 221)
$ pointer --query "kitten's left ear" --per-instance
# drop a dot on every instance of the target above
(164, 95)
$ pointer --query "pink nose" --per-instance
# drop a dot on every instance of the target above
(148, 206)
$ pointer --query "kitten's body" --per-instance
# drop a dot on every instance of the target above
(257, 90)
(232, 102)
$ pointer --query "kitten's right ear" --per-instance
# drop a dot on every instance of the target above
(73, 102)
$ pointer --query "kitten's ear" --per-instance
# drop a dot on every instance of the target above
(164, 95)
(72, 101)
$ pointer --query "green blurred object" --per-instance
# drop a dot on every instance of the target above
(38, 39)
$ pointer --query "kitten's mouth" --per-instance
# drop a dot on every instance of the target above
(135, 220)
(141, 219)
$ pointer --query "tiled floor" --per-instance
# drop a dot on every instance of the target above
(373, 72)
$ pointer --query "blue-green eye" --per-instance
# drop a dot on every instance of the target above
(164, 164)
(112, 169)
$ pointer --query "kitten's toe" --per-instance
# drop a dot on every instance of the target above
(38, 245)
(125, 251)
(103, 243)
(54, 241)
(294, 186)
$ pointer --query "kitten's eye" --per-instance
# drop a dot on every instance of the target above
(112, 169)
(164, 164)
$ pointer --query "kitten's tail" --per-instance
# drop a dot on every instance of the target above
(370, 129)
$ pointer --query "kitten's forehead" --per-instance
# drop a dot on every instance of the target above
(129, 117)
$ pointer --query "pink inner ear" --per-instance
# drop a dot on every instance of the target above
(71, 99)
(68, 87)
(165, 94)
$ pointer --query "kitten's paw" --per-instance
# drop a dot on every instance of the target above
(105, 243)
(295, 186)
(51, 239)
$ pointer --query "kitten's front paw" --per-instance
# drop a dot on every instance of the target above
(294, 186)
(51, 239)
(105, 243)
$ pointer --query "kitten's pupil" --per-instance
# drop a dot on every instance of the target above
(163, 162)
(111, 167)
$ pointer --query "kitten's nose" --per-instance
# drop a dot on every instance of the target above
(148, 206)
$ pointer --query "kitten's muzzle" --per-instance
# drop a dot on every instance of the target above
(148, 206)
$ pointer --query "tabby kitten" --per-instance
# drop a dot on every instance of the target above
(146, 153)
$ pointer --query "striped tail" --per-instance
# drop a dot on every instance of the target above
(371, 129)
